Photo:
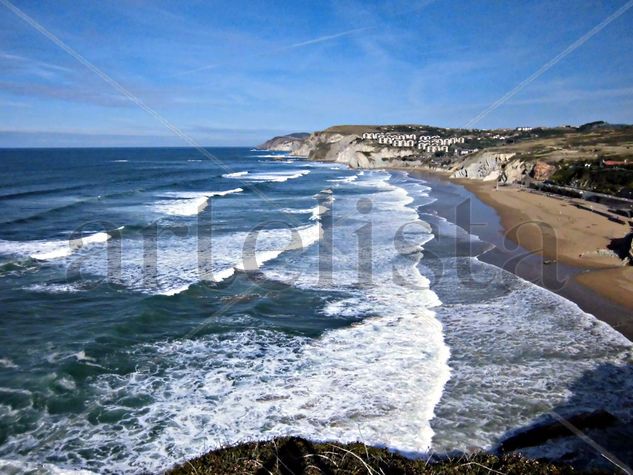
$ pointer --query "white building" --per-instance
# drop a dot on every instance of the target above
(428, 143)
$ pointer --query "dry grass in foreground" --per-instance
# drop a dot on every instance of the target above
(286, 456)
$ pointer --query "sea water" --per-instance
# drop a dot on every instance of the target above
(156, 304)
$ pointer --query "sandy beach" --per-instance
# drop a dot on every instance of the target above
(559, 231)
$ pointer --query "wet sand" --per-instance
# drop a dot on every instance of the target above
(552, 243)
(551, 226)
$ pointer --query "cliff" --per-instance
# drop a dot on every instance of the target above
(569, 156)
(344, 144)
(284, 143)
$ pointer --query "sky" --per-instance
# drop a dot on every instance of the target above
(221, 73)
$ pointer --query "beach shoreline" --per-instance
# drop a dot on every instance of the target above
(541, 239)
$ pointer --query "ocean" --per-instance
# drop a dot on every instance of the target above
(156, 304)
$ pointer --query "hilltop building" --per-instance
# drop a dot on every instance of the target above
(426, 143)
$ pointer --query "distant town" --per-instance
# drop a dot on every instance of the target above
(433, 143)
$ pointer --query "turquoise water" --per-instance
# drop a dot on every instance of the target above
(156, 304)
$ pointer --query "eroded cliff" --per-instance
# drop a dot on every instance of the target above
(591, 158)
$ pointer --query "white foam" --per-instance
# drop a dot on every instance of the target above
(198, 194)
(81, 356)
(301, 238)
(92, 239)
(59, 250)
(180, 262)
(174, 290)
(227, 192)
(326, 165)
(506, 361)
(315, 211)
(348, 307)
(189, 203)
(347, 179)
(377, 380)
(269, 155)
(22, 466)
(7, 363)
(50, 250)
(184, 207)
(398, 299)
(297, 210)
(277, 177)
(53, 288)
(348, 385)
(235, 174)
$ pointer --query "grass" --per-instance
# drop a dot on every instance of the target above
(574, 145)
(292, 455)
(566, 148)
(395, 128)
(594, 178)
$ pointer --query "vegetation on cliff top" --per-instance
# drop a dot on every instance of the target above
(596, 156)
(594, 177)
(285, 456)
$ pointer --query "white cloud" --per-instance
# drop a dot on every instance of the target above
(321, 39)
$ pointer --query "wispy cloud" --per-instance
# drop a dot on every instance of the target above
(322, 39)
(15, 104)
(33, 66)
(68, 93)
(197, 70)
(301, 44)
(572, 95)
(551, 63)
(250, 65)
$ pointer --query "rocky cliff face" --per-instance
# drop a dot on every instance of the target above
(357, 153)
(284, 143)
(503, 167)
(347, 147)
(543, 171)
(324, 146)
(489, 166)
(569, 156)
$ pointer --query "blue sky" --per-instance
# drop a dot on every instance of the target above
(237, 72)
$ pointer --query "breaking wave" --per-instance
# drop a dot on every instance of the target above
(189, 203)
(49, 250)
(275, 177)
(235, 174)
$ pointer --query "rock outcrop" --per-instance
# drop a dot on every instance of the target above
(324, 146)
(344, 144)
(351, 150)
(542, 171)
(489, 166)
(284, 143)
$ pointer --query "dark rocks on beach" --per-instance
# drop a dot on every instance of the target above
(553, 429)
(623, 247)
